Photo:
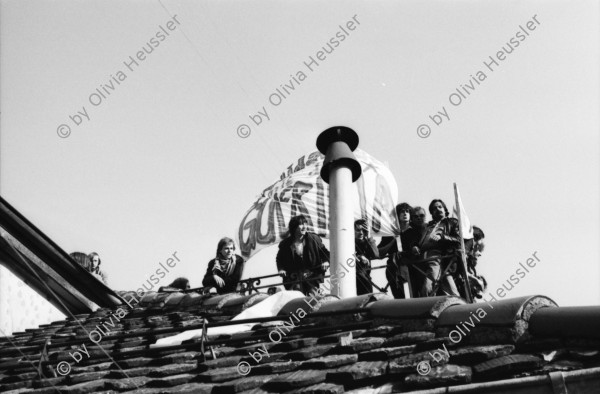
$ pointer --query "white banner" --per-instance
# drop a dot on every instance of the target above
(466, 229)
(301, 191)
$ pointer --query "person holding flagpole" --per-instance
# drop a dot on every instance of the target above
(441, 234)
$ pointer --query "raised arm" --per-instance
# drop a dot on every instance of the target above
(210, 279)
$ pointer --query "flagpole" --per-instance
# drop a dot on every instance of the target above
(463, 253)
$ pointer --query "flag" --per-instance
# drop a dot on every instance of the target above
(301, 191)
(466, 229)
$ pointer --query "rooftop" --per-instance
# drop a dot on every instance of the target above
(367, 344)
(370, 344)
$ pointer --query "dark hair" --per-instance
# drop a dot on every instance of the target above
(224, 241)
(362, 223)
(273, 290)
(80, 258)
(295, 222)
(478, 233)
(443, 205)
(181, 283)
(400, 207)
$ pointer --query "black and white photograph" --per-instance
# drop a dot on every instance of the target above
(299, 196)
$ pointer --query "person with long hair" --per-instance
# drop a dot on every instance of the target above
(398, 272)
(302, 258)
(93, 266)
(440, 236)
(225, 270)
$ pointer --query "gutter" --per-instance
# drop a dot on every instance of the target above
(580, 382)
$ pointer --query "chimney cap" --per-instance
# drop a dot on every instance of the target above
(334, 134)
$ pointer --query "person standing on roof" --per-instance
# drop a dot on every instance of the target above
(441, 235)
(302, 257)
(225, 270)
(475, 248)
(394, 272)
(93, 266)
(366, 250)
(418, 226)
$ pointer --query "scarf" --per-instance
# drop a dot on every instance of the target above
(227, 266)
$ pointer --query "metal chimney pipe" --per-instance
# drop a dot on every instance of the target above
(340, 170)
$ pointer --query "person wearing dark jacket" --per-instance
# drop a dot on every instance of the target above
(398, 272)
(366, 250)
(403, 213)
(441, 235)
(225, 271)
(302, 257)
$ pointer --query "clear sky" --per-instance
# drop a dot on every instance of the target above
(159, 166)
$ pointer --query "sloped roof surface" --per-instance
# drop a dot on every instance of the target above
(37, 260)
(363, 344)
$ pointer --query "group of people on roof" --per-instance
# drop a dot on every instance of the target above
(426, 263)
(429, 262)
(302, 261)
